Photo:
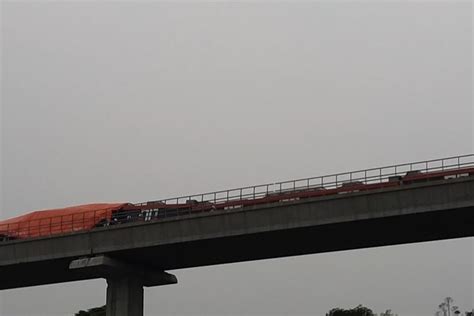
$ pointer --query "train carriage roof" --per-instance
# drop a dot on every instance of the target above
(78, 209)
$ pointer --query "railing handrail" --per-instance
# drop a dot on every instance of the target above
(317, 177)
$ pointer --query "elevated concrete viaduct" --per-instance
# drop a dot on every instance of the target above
(123, 254)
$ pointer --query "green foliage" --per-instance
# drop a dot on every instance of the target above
(358, 311)
(96, 311)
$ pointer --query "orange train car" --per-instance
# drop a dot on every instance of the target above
(57, 221)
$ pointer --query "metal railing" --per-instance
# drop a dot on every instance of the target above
(225, 199)
(367, 176)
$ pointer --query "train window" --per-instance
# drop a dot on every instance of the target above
(289, 199)
(231, 207)
(148, 215)
(455, 176)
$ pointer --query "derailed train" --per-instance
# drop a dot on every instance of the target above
(91, 216)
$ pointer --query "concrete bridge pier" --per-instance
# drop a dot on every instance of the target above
(124, 296)
(125, 282)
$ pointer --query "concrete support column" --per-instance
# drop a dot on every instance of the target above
(124, 296)
(125, 282)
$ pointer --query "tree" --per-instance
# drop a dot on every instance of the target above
(449, 302)
(388, 312)
(455, 310)
(446, 308)
(357, 311)
(96, 311)
(442, 307)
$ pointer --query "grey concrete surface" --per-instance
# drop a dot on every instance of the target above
(412, 213)
(124, 296)
(109, 268)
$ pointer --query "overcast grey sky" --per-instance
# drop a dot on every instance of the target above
(135, 101)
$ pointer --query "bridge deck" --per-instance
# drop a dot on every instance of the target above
(419, 212)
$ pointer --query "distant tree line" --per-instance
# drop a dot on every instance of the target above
(446, 308)
(96, 311)
(357, 311)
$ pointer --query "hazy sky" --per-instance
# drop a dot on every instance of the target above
(135, 101)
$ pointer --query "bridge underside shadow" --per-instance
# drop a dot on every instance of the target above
(385, 231)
